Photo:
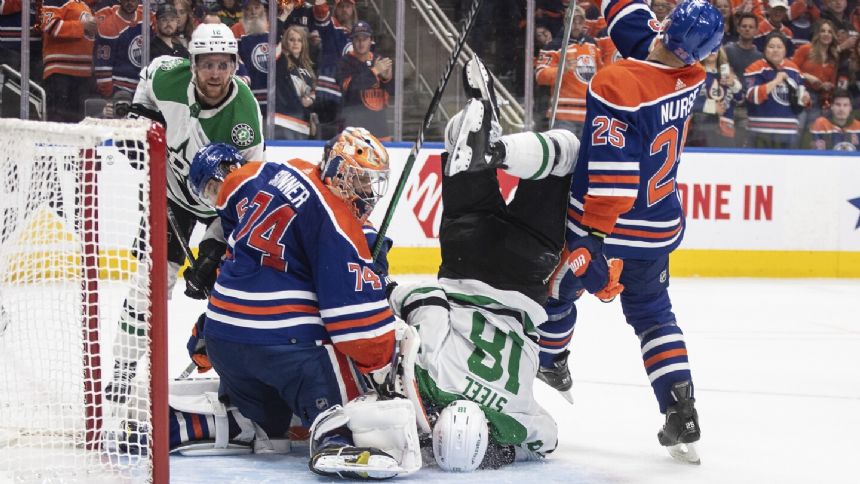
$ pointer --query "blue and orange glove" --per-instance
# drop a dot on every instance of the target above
(197, 346)
(598, 275)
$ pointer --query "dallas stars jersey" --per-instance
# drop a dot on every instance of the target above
(479, 343)
(166, 86)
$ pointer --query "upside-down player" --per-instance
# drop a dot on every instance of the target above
(475, 326)
(624, 200)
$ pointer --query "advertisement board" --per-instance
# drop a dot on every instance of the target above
(748, 213)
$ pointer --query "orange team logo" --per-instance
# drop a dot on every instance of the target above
(374, 99)
(655, 25)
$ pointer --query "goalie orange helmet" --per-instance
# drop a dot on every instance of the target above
(355, 168)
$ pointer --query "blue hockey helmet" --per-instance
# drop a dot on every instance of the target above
(693, 30)
(211, 162)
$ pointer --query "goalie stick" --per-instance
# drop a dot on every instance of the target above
(428, 118)
(174, 227)
(556, 90)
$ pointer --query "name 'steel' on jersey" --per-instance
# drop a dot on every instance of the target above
(293, 189)
(679, 108)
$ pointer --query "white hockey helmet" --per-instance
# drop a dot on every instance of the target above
(213, 39)
(460, 437)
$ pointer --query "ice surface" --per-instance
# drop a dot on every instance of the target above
(775, 363)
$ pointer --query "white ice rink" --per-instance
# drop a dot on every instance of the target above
(775, 363)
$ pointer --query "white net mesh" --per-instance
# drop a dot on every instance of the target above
(74, 239)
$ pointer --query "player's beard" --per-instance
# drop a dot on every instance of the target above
(212, 93)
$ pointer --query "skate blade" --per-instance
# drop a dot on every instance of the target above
(358, 471)
(685, 453)
(568, 395)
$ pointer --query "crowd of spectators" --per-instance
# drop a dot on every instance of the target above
(786, 75)
(89, 54)
(783, 67)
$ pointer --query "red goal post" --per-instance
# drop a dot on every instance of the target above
(82, 231)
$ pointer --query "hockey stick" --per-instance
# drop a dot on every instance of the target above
(428, 118)
(174, 227)
(556, 90)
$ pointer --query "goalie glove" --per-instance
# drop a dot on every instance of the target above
(197, 346)
(199, 281)
(598, 275)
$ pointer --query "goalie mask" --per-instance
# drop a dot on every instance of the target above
(355, 168)
(460, 437)
(212, 163)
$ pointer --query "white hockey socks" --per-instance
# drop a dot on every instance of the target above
(534, 156)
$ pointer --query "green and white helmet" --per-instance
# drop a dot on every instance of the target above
(213, 39)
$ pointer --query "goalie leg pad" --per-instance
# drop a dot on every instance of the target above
(387, 425)
(332, 420)
(187, 399)
(409, 346)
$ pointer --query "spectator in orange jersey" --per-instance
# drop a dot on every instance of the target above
(112, 21)
(838, 131)
(583, 61)
(366, 82)
(818, 62)
(776, 20)
(68, 31)
(608, 52)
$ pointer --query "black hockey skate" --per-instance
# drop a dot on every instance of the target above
(479, 84)
(350, 462)
(472, 134)
(682, 425)
(558, 376)
(119, 389)
(468, 139)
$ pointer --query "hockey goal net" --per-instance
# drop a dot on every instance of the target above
(82, 233)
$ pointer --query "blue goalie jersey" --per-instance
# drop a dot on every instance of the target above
(299, 268)
(637, 112)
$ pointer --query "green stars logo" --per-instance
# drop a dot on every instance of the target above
(242, 135)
